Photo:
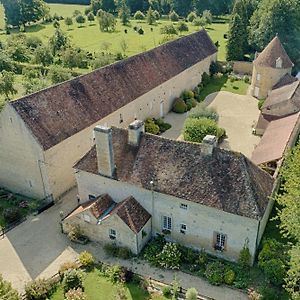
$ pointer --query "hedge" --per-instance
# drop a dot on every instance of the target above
(83, 2)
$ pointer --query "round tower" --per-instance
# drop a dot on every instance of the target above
(268, 68)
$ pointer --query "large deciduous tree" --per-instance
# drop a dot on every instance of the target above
(280, 17)
(124, 12)
(7, 80)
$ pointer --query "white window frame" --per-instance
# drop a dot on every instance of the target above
(166, 223)
(183, 228)
(112, 234)
(221, 240)
(258, 76)
(92, 197)
(183, 206)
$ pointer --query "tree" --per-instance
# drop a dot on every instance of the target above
(74, 57)
(191, 16)
(150, 16)
(173, 16)
(139, 15)
(68, 21)
(280, 17)
(6, 62)
(191, 294)
(168, 29)
(124, 45)
(156, 15)
(182, 7)
(34, 84)
(107, 22)
(236, 39)
(80, 19)
(106, 5)
(207, 16)
(59, 41)
(91, 17)
(7, 80)
(182, 27)
(43, 56)
(58, 74)
(124, 12)
(6, 290)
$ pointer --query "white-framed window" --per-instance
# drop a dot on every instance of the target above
(183, 206)
(258, 77)
(92, 197)
(167, 223)
(112, 234)
(183, 228)
(86, 218)
(220, 241)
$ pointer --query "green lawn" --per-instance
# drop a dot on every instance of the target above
(90, 37)
(98, 287)
(224, 84)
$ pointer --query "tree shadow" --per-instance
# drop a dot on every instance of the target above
(210, 28)
(35, 28)
(92, 24)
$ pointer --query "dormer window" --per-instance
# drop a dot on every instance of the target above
(279, 63)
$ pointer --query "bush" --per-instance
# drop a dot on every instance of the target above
(162, 125)
(269, 293)
(229, 276)
(179, 106)
(114, 273)
(275, 271)
(167, 291)
(33, 42)
(202, 111)
(205, 79)
(202, 258)
(245, 257)
(215, 273)
(168, 29)
(191, 16)
(182, 26)
(152, 249)
(151, 127)
(74, 233)
(86, 259)
(11, 214)
(126, 275)
(215, 68)
(260, 104)
(199, 21)
(191, 294)
(139, 15)
(39, 289)
(141, 31)
(6, 290)
(67, 266)
(188, 94)
(156, 15)
(75, 294)
(169, 257)
(188, 255)
(72, 280)
(246, 79)
(173, 16)
(195, 130)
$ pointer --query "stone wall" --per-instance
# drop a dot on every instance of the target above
(242, 67)
(202, 221)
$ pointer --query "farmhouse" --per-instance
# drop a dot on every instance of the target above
(196, 194)
(42, 135)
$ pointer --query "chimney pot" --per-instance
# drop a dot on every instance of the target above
(135, 130)
(208, 144)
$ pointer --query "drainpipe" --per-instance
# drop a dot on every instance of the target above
(152, 204)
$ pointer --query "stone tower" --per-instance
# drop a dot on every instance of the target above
(268, 68)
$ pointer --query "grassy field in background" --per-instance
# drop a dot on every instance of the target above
(89, 36)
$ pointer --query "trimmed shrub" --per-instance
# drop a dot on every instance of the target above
(229, 276)
(246, 79)
(245, 257)
(199, 21)
(205, 79)
(74, 233)
(86, 259)
(75, 294)
(167, 291)
(140, 31)
(114, 273)
(179, 106)
(139, 15)
(162, 125)
(188, 94)
(70, 265)
(215, 68)
(194, 130)
(191, 16)
(156, 15)
(168, 29)
(169, 257)
(151, 127)
(215, 273)
(11, 214)
(191, 294)
(202, 111)
(173, 16)
(182, 26)
(72, 280)
(39, 289)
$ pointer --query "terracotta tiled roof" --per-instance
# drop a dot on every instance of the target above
(274, 50)
(132, 213)
(283, 101)
(286, 79)
(275, 140)
(264, 120)
(60, 111)
(225, 180)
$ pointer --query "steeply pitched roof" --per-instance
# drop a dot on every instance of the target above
(132, 213)
(60, 111)
(274, 50)
(275, 140)
(286, 79)
(284, 100)
(225, 180)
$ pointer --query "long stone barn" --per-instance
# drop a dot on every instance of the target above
(43, 134)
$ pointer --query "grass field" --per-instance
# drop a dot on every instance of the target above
(90, 37)
(97, 287)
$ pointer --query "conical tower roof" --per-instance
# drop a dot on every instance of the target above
(271, 53)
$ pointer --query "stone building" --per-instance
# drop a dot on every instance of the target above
(197, 194)
(269, 67)
(42, 135)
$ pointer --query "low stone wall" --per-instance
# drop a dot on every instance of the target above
(242, 67)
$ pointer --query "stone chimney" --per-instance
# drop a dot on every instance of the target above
(104, 148)
(135, 130)
(208, 144)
